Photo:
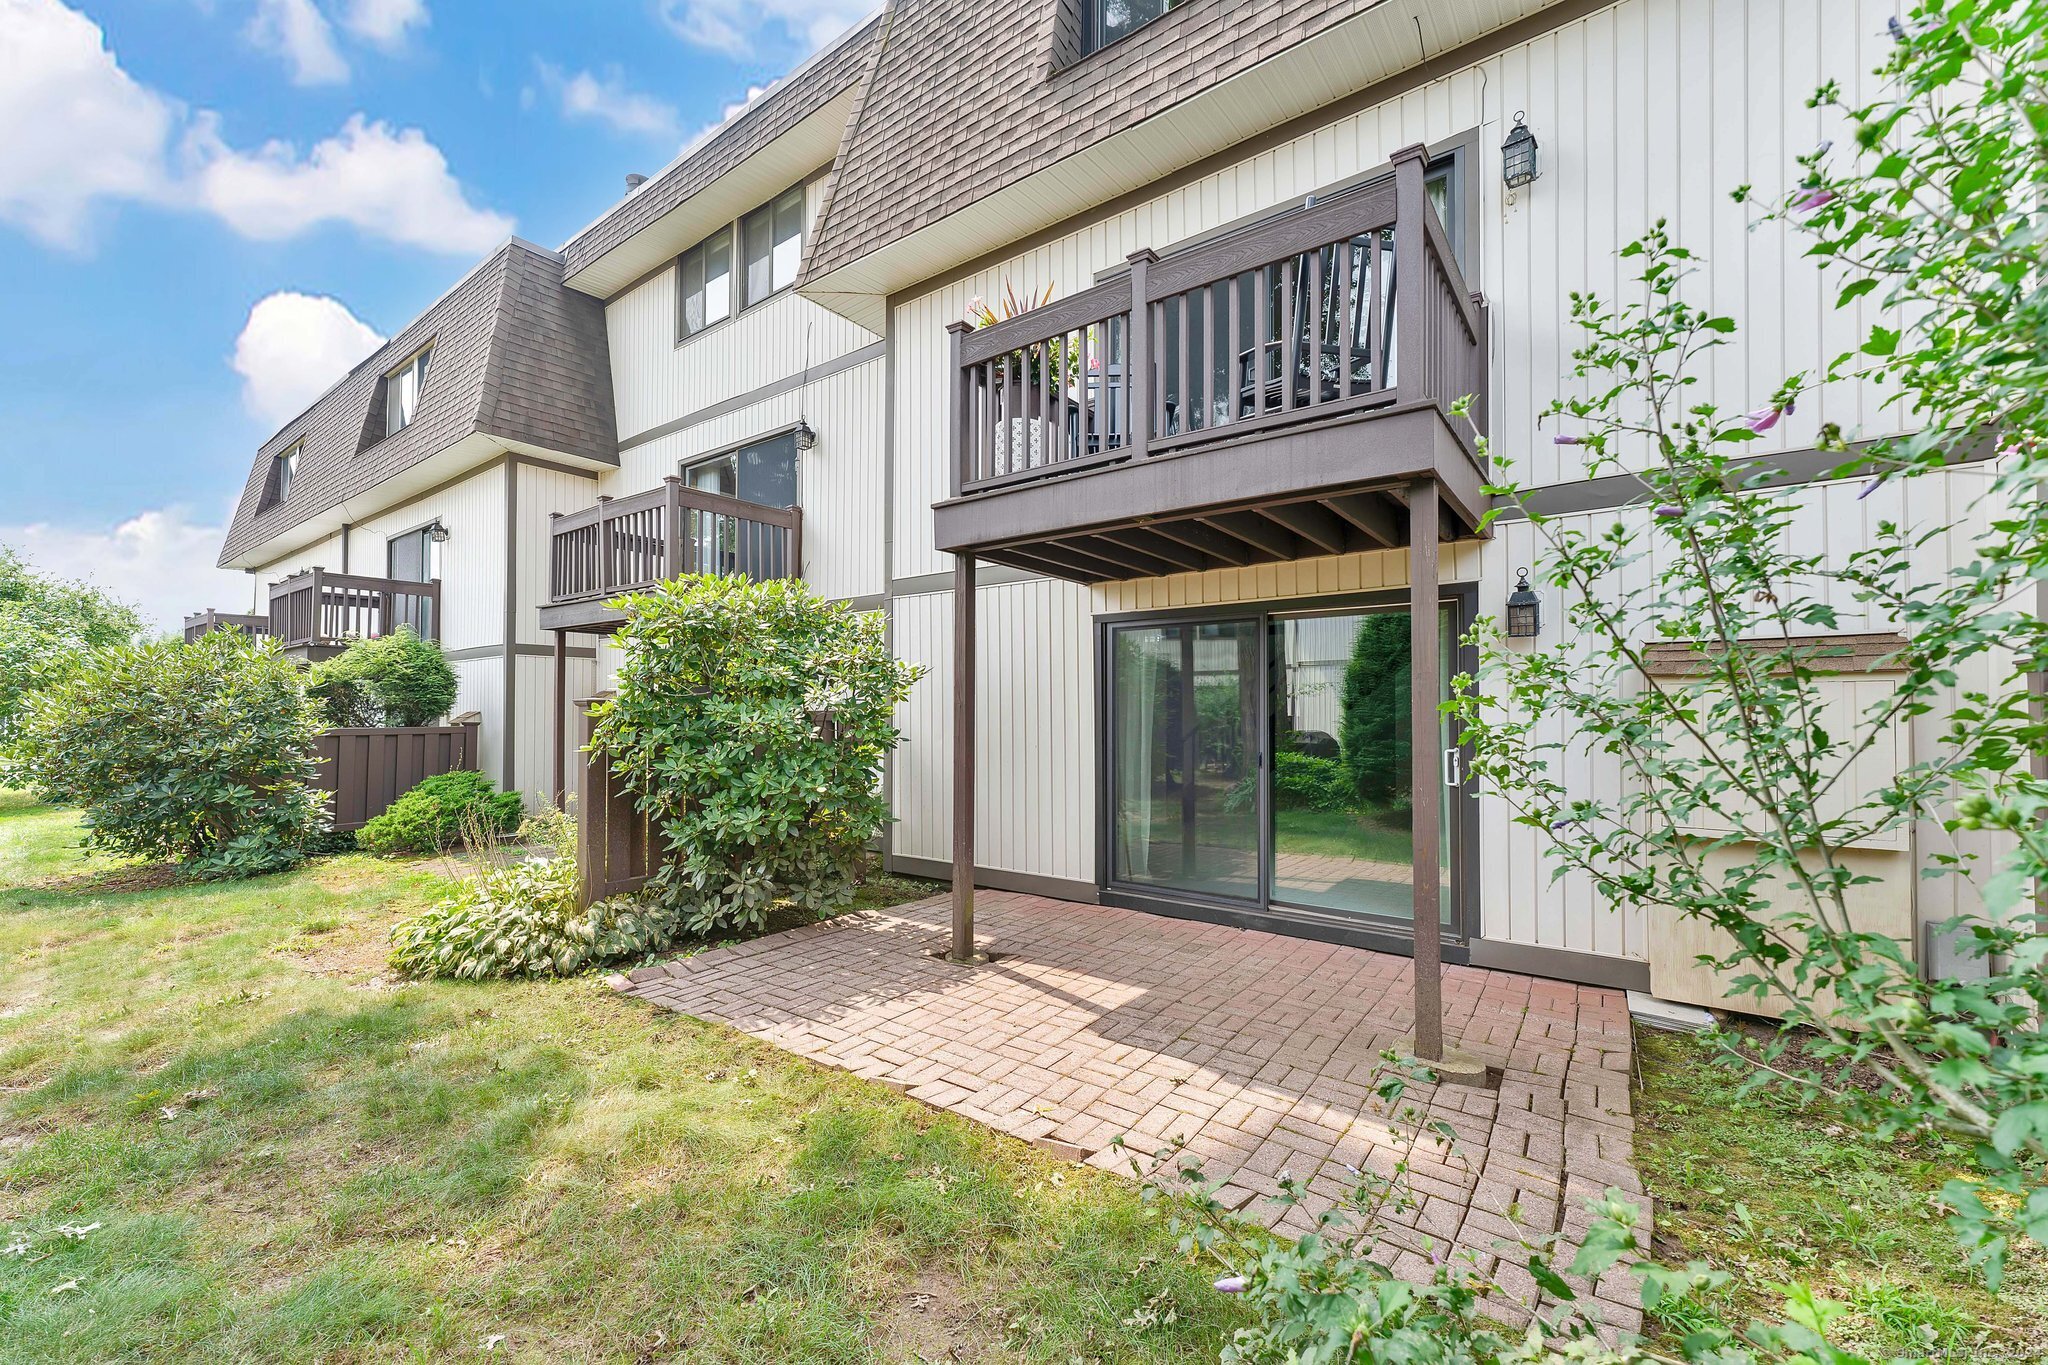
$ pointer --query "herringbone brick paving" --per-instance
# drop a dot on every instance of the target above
(1259, 1050)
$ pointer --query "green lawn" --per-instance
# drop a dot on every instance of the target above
(226, 1134)
(1771, 1191)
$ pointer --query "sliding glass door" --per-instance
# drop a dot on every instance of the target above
(1268, 760)
(1186, 704)
(1344, 761)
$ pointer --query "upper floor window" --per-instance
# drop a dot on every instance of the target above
(402, 392)
(284, 468)
(773, 239)
(705, 282)
(1105, 21)
(769, 245)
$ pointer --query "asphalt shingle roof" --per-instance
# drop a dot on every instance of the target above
(517, 356)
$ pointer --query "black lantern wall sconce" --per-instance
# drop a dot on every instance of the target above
(1518, 164)
(437, 532)
(1525, 609)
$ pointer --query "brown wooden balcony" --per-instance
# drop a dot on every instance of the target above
(206, 622)
(624, 545)
(1271, 394)
(315, 614)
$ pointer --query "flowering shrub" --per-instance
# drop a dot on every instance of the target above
(524, 920)
(197, 753)
(753, 720)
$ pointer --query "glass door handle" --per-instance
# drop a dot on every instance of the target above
(1453, 767)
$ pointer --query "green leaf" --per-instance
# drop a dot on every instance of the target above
(1883, 341)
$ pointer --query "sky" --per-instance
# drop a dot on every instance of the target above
(211, 209)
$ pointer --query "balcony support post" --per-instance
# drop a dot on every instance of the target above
(561, 783)
(672, 528)
(962, 947)
(1424, 651)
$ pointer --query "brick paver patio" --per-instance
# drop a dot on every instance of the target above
(1259, 1050)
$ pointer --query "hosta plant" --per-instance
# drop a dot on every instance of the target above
(524, 920)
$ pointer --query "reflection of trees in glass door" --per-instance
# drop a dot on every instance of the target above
(1344, 756)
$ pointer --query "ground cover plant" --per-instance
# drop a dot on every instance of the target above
(198, 754)
(228, 1133)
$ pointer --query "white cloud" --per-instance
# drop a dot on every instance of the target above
(99, 135)
(605, 98)
(754, 92)
(81, 129)
(293, 348)
(161, 560)
(735, 26)
(384, 23)
(390, 183)
(298, 32)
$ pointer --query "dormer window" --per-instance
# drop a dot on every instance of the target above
(284, 468)
(402, 392)
(740, 265)
(1105, 21)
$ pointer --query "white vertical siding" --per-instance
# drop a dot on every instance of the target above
(839, 483)
(1035, 700)
(1650, 109)
(470, 564)
(655, 379)
(542, 491)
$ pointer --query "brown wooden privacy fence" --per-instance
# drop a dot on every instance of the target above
(616, 849)
(318, 609)
(366, 770)
(627, 544)
(1345, 305)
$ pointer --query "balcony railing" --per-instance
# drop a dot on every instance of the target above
(1345, 306)
(318, 610)
(628, 544)
(206, 622)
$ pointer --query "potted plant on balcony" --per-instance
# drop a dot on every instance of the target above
(1020, 428)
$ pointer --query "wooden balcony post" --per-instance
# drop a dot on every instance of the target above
(604, 545)
(561, 726)
(1411, 202)
(796, 543)
(1426, 796)
(672, 528)
(962, 948)
(962, 423)
(316, 618)
(1138, 357)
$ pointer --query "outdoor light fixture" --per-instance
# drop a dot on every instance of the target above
(806, 438)
(437, 532)
(1518, 155)
(1525, 610)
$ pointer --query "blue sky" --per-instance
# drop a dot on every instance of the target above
(222, 203)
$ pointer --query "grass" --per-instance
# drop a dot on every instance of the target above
(1772, 1192)
(227, 1135)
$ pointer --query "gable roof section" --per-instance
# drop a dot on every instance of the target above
(517, 358)
(968, 101)
(798, 120)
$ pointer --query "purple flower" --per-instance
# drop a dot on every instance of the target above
(1816, 197)
(1870, 488)
(1567, 440)
(1230, 1284)
(1670, 510)
(1763, 419)
(1898, 30)
(1826, 145)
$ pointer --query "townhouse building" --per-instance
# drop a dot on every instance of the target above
(1196, 531)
